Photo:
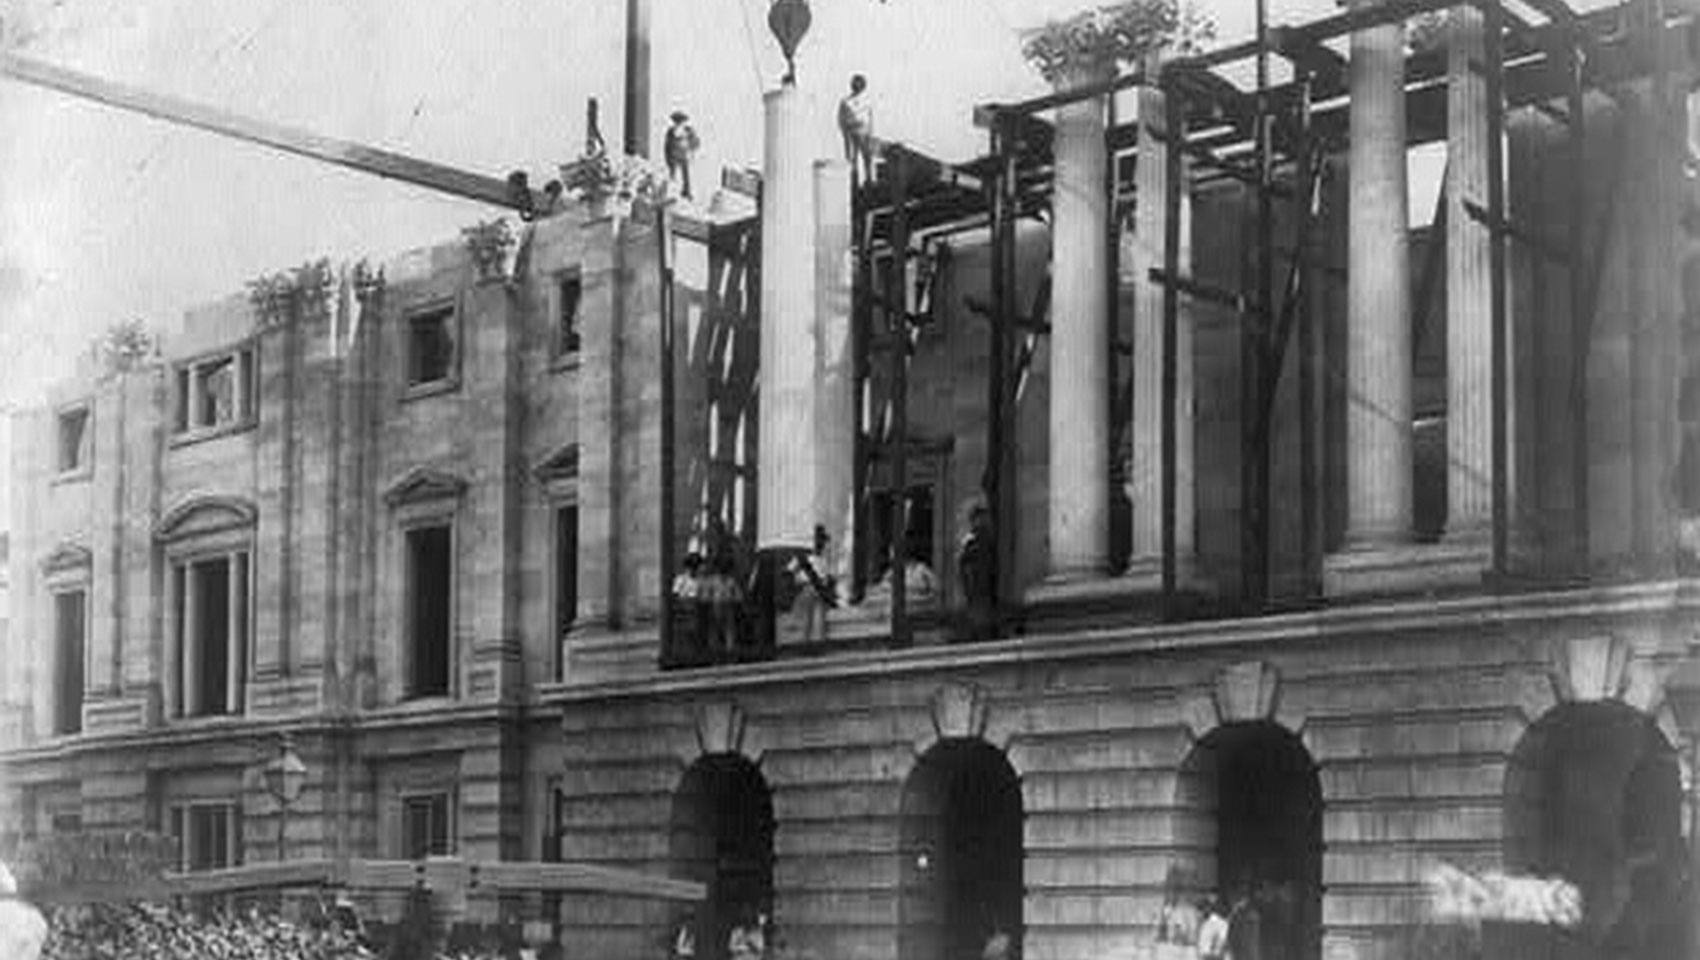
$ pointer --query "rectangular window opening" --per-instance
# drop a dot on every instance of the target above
(216, 392)
(429, 582)
(567, 333)
(430, 347)
(425, 826)
(210, 603)
(73, 440)
(71, 629)
(206, 836)
(566, 569)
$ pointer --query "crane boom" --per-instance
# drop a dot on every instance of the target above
(305, 143)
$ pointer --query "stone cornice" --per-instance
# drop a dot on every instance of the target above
(1444, 618)
(423, 484)
(67, 558)
(560, 465)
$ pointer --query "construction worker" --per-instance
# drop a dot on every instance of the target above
(856, 124)
(680, 146)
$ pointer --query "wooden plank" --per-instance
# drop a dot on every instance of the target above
(343, 153)
(586, 878)
(257, 876)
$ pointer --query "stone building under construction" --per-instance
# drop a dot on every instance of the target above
(1329, 547)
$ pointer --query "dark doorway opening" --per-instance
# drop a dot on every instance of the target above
(962, 851)
(723, 837)
(1256, 802)
(1593, 794)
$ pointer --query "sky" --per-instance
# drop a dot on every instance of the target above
(108, 217)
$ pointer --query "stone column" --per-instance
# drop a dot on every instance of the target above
(1079, 505)
(785, 499)
(1469, 288)
(1378, 327)
(1151, 180)
(835, 373)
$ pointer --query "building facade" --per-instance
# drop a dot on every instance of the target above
(412, 516)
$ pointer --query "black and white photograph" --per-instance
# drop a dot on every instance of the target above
(849, 479)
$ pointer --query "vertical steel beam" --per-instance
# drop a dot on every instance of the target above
(897, 322)
(1255, 376)
(861, 305)
(1174, 143)
(664, 260)
(1493, 41)
(999, 481)
(1579, 296)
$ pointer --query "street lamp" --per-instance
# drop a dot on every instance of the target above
(789, 20)
(285, 776)
(1682, 693)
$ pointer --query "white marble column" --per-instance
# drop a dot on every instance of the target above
(1378, 327)
(1079, 506)
(1469, 289)
(835, 372)
(785, 501)
(1145, 253)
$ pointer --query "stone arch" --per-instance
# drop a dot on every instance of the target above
(961, 852)
(721, 832)
(1593, 794)
(1248, 821)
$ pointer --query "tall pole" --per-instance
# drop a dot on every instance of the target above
(998, 480)
(636, 125)
(1254, 352)
(897, 322)
(664, 253)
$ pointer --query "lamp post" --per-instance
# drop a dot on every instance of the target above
(285, 776)
(1682, 692)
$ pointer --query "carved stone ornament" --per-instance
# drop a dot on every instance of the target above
(490, 242)
(1092, 44)
(368, 283)
(959, 711)
(560, 465)
(720, 728)
(315, 289)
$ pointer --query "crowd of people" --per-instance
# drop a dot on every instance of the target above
(1259, 922)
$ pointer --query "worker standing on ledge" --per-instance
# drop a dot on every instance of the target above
(856, 123)
(680, 146)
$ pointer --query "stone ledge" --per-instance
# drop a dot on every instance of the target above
(1405, 569)
(1432, 616)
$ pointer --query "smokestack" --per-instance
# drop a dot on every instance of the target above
(636, 126)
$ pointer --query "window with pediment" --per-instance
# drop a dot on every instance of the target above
(208, 545)
(425, 503)
(66, 573)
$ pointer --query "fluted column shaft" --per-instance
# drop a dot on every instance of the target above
(1079, 508)
(1151, 213)
(1378, 327)
(1469, 286)
(835, 373)
(785, 501)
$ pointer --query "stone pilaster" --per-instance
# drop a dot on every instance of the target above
(1469, 288)
(835, 374)
(786, 462)
(1079, 507)
(1151, 184)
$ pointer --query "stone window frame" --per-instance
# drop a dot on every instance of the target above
(426, 498)
(185, 391)
(451, 380)
(564, 354)
(403, 778)
(184, 808)
(68, 569)
(201, 529)
(451, 816)
(557, 477)
(83, 467)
